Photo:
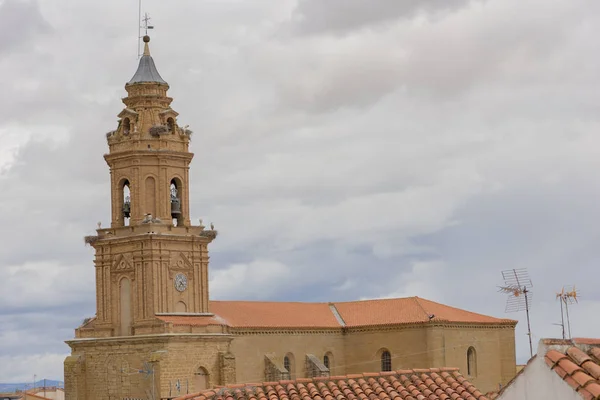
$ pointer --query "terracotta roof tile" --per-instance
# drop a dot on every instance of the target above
(569, 366)
(577, 355)
(594, 389)
(578, 366)
(592, 368)
(555, 356)
(399, 385)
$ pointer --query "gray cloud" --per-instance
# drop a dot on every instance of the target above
(406, 149)
(20, 23)
(340, 16)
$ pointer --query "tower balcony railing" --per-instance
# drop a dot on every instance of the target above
(158, 228)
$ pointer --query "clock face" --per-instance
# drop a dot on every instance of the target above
(180, 282)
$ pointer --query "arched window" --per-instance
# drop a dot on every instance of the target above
(171, 125)
(386, 361)
(200, 379)
(471, 362)
(328, 360)
(126, 126)
(126, 202)
(175, 191)
(286, 363)
(289, 363)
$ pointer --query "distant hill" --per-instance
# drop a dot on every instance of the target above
(13, 387)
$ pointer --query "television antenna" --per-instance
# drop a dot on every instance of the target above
(142, 24)
(566, 296)
(517, 285)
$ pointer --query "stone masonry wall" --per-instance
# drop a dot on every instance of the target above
(250, 351)
(114, 369)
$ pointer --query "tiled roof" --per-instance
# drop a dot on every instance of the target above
(417, 384)
(270, 314)
(263, 314)
(408, 310)
(579, 368)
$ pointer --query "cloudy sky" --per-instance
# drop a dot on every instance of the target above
(344, 149)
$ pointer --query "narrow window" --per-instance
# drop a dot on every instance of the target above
(126, 126)
(471, 362)
(286, 363)
(326, 361)
(386, 361)
(126, 203)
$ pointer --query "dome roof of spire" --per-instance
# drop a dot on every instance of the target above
(146, 72)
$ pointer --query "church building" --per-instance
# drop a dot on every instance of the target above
(156, 333)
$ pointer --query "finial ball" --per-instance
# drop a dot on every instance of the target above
(146, 39)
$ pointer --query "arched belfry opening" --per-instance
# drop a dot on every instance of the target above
(175, 191)
(126, 201)
(171, 125)
(126, 126)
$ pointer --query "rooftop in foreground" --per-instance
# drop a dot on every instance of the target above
(570, 367)
(431, 384)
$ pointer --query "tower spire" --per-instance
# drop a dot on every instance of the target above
(146, 72)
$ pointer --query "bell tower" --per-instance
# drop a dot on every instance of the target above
(149, 158)
(151, 265)
(152, 261)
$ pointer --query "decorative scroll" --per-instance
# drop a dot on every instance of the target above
(181, 262)
(122, 264)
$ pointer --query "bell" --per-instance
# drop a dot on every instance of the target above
(126, 209)
(175, 207)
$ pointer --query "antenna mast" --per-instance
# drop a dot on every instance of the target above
(142, 24)
(517, 285)
(566, 297)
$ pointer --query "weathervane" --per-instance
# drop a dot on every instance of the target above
(517, 284)
(142, 24)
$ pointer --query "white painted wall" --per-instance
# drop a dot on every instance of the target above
(54, 394)
(539, 382)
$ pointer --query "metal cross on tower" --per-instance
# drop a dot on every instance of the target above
(143, 23)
